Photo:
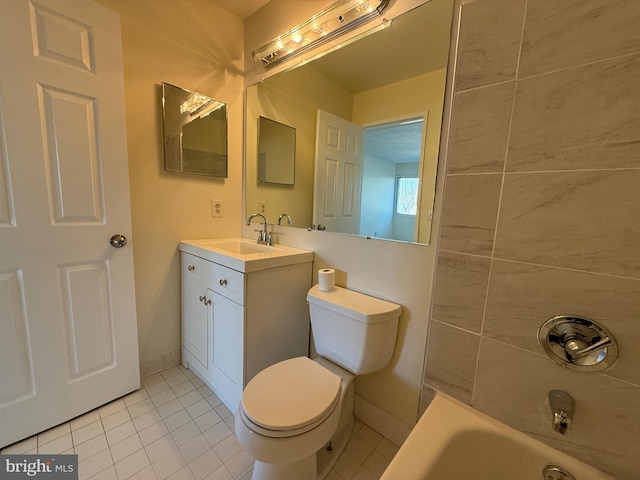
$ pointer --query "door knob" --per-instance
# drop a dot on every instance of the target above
(118, 241)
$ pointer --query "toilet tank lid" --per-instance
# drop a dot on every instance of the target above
(364, 308)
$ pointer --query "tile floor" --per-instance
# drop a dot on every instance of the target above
(175, 428)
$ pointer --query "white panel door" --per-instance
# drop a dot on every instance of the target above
(68, 340)
(338, 174)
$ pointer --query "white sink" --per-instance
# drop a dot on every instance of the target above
(240, 247)
(245, 255)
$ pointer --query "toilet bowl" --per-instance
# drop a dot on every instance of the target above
(306, 401)
(296, 415)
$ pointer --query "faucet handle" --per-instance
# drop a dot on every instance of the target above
(260, 236)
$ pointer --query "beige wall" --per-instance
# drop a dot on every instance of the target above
(198, 46)
(541, 218)
(292, 99)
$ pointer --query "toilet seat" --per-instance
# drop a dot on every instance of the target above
(290, 398)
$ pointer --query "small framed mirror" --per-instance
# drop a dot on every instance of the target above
(194, 132)
(276, 152)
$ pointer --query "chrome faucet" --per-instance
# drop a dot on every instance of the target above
(562, 405)
(264, 237)
(284, 215)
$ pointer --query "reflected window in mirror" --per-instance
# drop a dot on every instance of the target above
(388, 75)
(276, 152)
(393, 153)
(407, 195)
(195, 132)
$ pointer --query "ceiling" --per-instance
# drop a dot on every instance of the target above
(397, 142)
(411, 46)
(242, 8)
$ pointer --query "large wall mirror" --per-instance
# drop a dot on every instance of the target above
(194, 132)
(367, 118)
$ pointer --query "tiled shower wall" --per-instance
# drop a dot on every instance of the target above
(541, 216)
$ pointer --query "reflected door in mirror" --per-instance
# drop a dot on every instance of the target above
(339, 161)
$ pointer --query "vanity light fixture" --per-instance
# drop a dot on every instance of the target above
(193, 103)
(337, 19)
(199, 106)
(207, 109)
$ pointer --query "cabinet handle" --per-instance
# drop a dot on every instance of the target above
(223, 282)
(191, 268)
(204, 299)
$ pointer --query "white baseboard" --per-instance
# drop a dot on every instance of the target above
(159, 363)
(381, 421)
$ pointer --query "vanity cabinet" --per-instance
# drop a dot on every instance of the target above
(235, 324)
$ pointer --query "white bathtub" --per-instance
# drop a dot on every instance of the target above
(452, 441)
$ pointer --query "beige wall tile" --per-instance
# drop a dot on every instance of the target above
(581, 220)
(461, 290)
(513, 384)
(522, 297)
(574, 32)
(577, 126)
(469, 213)
(480, 128)
(451, 360)
(490, 33)
(580, 118)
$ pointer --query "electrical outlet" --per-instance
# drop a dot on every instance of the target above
(217, 208)
(262, 207)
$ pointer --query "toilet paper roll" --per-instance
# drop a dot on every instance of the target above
(326, 279)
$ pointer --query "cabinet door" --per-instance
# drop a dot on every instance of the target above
(228, 344)
(194, 318)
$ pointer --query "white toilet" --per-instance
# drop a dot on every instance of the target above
(295, 417)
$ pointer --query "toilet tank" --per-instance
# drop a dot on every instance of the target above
(356, 331)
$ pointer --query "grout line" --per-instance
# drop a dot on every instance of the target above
(543, 265)
(550, 72)
(488, 85)
(475, 334)
(581, 65)
(467, 254)
(533, 172)
(495, 232)
(577, 170)
(544, 356)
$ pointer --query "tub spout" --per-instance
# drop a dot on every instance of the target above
(562, 406)
(561, 422)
